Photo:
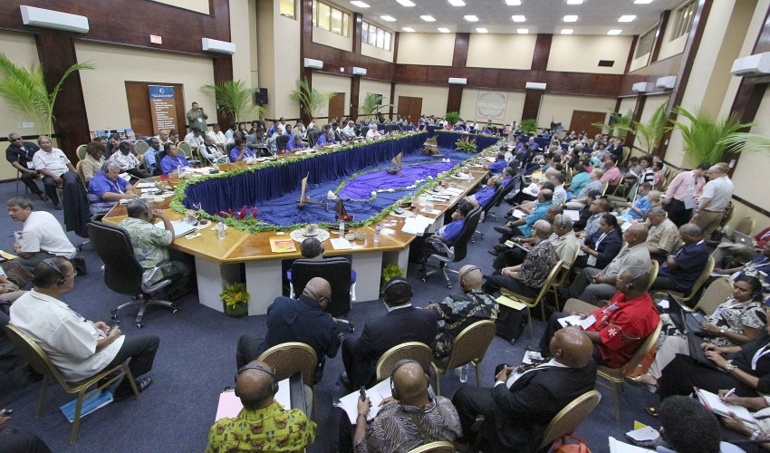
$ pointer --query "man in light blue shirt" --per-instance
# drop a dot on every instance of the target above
(151, 157)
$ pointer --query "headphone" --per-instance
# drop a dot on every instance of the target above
(62, 279)
(399, 364)
(462, 277)
(632, 283)
(393, 282)
(273, 388)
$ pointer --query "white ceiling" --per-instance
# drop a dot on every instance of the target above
(595, 17)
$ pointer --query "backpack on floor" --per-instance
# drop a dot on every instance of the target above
(510, 323)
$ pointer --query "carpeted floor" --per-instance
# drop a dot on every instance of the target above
(197, 359)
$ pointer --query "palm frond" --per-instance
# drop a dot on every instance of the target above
(372, 105)
(704, 135)
(234, 98)
(310, 99)
(747, 142)
(651, 133)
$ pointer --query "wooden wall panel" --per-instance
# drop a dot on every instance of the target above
(532, 102)
(542, 51)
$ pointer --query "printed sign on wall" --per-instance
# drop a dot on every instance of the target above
(163, 107)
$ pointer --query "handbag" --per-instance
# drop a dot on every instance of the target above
(561, 445)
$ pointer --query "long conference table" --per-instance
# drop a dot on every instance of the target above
(220, 262)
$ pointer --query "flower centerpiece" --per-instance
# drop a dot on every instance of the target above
(236, 300)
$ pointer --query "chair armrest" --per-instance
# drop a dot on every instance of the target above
(150, 274)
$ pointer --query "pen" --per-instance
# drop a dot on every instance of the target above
(727, 395)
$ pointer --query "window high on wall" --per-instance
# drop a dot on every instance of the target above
(375, 36)
(644, 44)
(331, 19)
(684, 17)
(287, 9)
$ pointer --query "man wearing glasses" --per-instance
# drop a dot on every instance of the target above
(19, 153)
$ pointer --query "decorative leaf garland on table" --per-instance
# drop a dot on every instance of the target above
(253, 226)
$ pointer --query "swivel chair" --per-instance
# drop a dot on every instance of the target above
(335, 270)
(457, 251)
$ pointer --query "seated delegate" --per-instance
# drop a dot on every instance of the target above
(240, 151)
(172, 161)
(107, 188)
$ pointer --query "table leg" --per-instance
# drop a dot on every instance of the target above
(263, 282)
(368, 266)
(212, 279)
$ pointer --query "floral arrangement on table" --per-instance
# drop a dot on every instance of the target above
(252, 225)
(236, 300)
(466, 145)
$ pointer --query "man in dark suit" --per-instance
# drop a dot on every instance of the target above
(403, 323)
(523, 401)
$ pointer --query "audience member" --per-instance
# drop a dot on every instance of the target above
(596, 184)
(402, 323)
(172, 161)
(458, 311)
(302, 320)
(218, 139)
(525, 399)
(20, 154)
(681, 269)
(77, 347)
(663, 236)
(580, 178)
(13, 441)
(196, 118)
(41, 237)
(680, 195)
(758, 267)
(639, 207)
(593, 284)
(127, 162)
(597, 209)
(211, 152)
(603, 246)
(151, 156)
(164, 137)
(313, 249)
(195, 138)
(686, 426)
(739, 251)
(523, 226)
(411, 417)
(56, 169)
(716, 196)
(444, 237)
(612, 175)
(564, 240)
(241, 152)
(92, 164)
(484, 195)
(107, 188)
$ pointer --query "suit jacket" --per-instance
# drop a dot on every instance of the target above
(523, 412)
(301, 320)
(380, 334)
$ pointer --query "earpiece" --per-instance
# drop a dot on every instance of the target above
(632, 283)
(399, 364)
(274, 387)
(394, 282)
(62, 280)
(462, 277)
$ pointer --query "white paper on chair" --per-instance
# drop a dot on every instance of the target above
(349, 403)
(518, 213)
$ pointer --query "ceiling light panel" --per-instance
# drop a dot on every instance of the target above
(359, 4)
(570, 18)
(642, 2)
(443, 30)
(518, 18)
(566, 31)
(471, 18)
(388, 18)
(513, 2)
(574, 2)
(482, 30)
(407, 3)
(457, 2)
(522, 31)
(428, 18)
(627, 18)
(614, 32)
(408, 29)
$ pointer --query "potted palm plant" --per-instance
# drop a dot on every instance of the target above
(24, 89)
(234, 99)
(705, 137)
(310, 99)
(648, 135)
(372, 105)
(528, 125)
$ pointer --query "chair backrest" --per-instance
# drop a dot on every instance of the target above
(81, 152)
(34, 354)
(413, 350)
(335, 270)
(141, 146)
(79, 170)
(606, 185)
(570, 417)
(643, 350)
(701, 278)
(281, 142)
(496, 197)
(440, 446)
(716, 293)
(654, 268)
(471, 344)
(122, 272)
(745, 225)
(289, 358)
(186, 149)
(507, 189)
(460, 244)
(312, 138)
(549, 281)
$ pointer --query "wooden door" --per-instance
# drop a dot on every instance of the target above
(410, 108)
(582, 121)
(137, 94)
(337, 107)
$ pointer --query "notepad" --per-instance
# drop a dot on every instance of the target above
(280, 244)
(454, 191)
(341, 244)
(714, 403)
(349, 403)
(96, 401)
(416, 225)
(181, 228)
(508, 302)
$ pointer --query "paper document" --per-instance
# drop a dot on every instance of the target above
(646, 434)
(719, 407)
(518, 213)
(508, 302)
(572, 214)
(341, 244)
(417, 225)
(96, 401)
(144, 185)
(376, 394)
(577, 320)
(180, 228)
(454, 191)
(617, 446)
(230, 405)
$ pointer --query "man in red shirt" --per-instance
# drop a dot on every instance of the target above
(619, 328)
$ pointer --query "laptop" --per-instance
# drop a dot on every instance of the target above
(741, 238)
(688, 322)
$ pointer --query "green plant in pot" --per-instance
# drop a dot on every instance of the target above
(234, 99)
(309, 98)
(452, 117)
(389, 272)
(236, 300)
(466, 145)
(528, 125)
(705, 137)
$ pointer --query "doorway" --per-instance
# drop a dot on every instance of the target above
(583, 121)
(410, 108)
(337, 107)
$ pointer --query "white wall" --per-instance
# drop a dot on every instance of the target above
(335, 84)
(559, 108)
(243, 33)
(500, 51)
(373, 86)
(199, 6)
(433, 98)
(104, 89)
(580, 53)
(327, 38)
(433, 49)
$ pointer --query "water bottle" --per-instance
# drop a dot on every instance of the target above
(342, 228)
(337, 393)
(179, 170)
(377, 231)
(464, 373)
(220, 230)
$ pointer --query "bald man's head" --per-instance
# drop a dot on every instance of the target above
(571, 347)
(542, 229)
(470, 277)
(319, 290)
(255, 387)
(411, 384)
(636, 234)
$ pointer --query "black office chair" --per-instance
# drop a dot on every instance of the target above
(281, 142)
(513, 185)
(312, 138)
(364, 131)
(457, 251)
(123, 273)
(335, 270)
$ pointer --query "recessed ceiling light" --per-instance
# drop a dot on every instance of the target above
(407, 3)
(409, 29)
(566, 31)
(574, 2)
(388, 18)
(570, 18)
(614, 32)
(471, 18)
(627, 18)
(482, 30)
(443, 30)
(457, 2)
(519, 18)
(642, 2)
(522, 31)
(428, 18)
(359, 4)
(513, 2)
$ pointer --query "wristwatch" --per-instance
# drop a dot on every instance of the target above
(729, 367)
(722, 331)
